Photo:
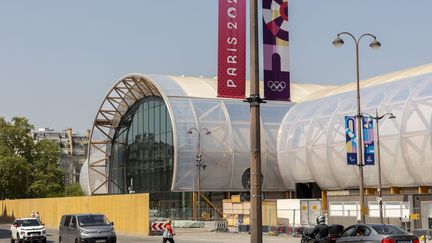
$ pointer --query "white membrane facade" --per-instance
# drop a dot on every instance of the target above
(301, 142)
(191, 103)
(311, 141)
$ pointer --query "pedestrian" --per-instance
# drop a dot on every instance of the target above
(32, 215)
(168, 233)
(38, 216)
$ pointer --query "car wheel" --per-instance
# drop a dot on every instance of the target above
(60, 240)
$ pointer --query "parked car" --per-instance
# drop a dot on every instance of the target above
(27, 229)
(76, 228)
(376, 233)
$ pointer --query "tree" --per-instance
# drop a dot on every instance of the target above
(14, 137)
(47, 176)
(13, 177)
(27, 169)
(72, 190)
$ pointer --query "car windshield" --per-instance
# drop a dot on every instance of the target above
(28, 222)
(92, 220)
(388, 230)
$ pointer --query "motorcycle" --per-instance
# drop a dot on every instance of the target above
(334, 231)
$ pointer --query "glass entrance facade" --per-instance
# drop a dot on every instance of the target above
(142, 152)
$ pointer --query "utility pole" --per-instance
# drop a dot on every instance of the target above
(255, 138)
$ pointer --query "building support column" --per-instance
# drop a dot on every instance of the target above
(324, 205)
(195, 215)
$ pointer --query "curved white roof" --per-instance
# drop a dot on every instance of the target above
(207, 88)
(378, 80)
(311, 141)
(310, 134)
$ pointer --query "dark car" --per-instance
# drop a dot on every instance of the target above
(376, 233)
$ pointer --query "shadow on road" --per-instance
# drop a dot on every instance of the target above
(4, 234)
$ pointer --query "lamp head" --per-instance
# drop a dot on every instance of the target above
(338, 42)
(208, 132)
(375, 44)
(392, 116)
(189, 131)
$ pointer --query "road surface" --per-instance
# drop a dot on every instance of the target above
(182, 236)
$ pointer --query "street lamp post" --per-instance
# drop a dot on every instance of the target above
(255, 133)
(199, 163)
(338, 42)
(377, 118)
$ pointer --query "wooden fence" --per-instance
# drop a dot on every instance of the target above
(130, 213)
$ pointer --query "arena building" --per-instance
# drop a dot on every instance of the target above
(150, 128)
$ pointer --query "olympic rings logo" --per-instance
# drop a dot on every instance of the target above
(276, 85)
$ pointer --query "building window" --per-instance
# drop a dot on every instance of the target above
(336, 209)
(142, 151)
(392, 209)
(347, 209)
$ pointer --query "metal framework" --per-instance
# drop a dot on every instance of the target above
(126, 92)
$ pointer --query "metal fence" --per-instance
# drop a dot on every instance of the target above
(288, 221)
(186, 213)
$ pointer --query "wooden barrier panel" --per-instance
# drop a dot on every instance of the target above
(129, 212)
(269, 213)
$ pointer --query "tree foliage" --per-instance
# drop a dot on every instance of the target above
(27, 169)
(13, 174)
(73, 190)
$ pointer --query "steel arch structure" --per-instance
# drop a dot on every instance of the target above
(123, 94)
(191, 103)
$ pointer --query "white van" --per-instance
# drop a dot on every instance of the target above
(83, 228)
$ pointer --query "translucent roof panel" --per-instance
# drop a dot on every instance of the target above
(311, 145)
(193, 109)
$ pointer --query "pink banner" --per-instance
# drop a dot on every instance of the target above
(232, 49)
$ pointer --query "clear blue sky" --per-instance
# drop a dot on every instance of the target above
(58, 59)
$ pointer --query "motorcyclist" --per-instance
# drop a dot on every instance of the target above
(320, 230)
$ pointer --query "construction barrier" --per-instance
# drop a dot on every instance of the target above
(157, 227)
(130, 212)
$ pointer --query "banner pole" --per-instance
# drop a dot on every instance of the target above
(255, 138)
